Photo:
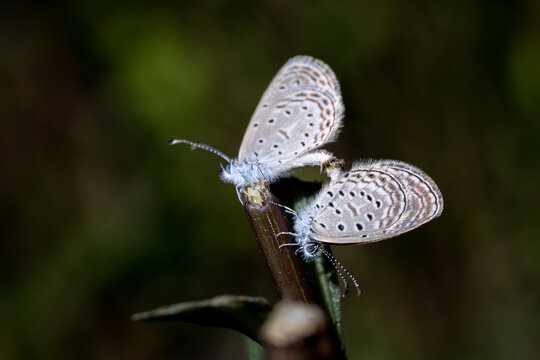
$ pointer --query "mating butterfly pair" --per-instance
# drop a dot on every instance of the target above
(300, 111)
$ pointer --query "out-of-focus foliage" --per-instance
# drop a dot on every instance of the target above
(100, 219)
(242, 313)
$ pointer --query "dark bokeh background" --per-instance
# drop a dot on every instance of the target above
(100, 219)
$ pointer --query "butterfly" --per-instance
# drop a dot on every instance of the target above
(373, 201)
(300, 111)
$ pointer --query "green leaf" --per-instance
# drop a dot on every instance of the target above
(254, 351)
(242, 313)
(329, 291)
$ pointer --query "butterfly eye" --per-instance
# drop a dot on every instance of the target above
(310, 248)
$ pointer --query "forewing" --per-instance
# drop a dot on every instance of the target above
(300, 111)
(375, 201)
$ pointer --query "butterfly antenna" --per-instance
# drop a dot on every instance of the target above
(200, 146)
(331, 258)
(336, 263)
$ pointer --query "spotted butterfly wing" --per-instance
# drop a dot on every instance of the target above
(375, 201)
(300, 111)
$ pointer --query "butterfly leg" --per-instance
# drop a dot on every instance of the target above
(286, 233)
(239, 194)
(287, 209)
(289, 244)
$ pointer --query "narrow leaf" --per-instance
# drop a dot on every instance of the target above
(330, 292)
(242, 313)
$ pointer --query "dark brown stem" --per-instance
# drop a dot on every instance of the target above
(287, 270)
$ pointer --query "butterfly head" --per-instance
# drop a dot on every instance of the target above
(303, 230)
(241, 173)
(230, 174)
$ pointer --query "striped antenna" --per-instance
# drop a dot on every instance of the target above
(335, 262)
(200, 146)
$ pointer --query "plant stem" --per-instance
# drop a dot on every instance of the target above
(286, 269)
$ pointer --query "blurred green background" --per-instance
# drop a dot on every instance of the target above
(101, 219)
